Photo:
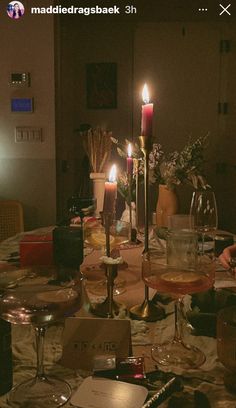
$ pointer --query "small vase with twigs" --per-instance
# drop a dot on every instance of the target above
(97, 145)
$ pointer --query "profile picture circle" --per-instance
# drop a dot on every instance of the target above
(15, 10)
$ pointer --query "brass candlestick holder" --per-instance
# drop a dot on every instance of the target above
(133, 232)
(109, 308)
(130, 201)
(136, 168)
(147, 311)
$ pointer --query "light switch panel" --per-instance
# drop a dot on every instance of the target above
(28, 134)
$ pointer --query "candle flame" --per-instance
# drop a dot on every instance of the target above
(145, 94)
(129, 150)
(112, 174)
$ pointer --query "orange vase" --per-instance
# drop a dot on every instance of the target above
(167, 204)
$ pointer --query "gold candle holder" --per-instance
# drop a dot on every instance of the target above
(109, 308)
(133, 232)
(147, 311)
(136, 167)
(130, 201)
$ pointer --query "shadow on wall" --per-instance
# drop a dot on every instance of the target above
(31, 218)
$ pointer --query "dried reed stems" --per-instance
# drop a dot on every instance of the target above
(97, 144)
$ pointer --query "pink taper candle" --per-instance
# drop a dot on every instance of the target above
(147, 114)
(110, 192)
(129, 160)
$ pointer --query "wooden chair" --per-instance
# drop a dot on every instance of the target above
(11, 218)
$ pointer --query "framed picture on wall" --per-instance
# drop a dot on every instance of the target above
(101, 81)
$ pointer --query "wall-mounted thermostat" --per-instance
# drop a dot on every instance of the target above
(19, 79)
(22, 105)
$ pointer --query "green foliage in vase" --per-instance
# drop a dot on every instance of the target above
(186, 166)
(123, 187)
(172, 169)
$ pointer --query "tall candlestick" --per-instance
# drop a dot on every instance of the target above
(129, 160)
(136, 167)
(147, 114)
(110, 192)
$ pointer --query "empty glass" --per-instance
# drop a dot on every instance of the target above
(204, 212)
(180, 221)
(182, 248)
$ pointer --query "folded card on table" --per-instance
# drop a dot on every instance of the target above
(85, 338)
(101, 393)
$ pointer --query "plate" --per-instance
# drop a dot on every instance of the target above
(9, 274)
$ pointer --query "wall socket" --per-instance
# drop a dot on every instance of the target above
(28, 134)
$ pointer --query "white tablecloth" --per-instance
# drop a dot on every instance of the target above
(209, 378)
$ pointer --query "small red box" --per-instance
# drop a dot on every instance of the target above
(36, 250)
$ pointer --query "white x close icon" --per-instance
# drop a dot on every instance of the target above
(225, 9)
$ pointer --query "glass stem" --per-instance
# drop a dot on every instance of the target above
(40, 335)
(178, 325)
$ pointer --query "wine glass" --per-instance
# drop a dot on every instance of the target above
(95, 237)
(204, 212)
(40, 298)
(185, 272)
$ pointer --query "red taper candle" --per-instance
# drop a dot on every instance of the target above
(129, 160)
(110, 194)
(147, 114)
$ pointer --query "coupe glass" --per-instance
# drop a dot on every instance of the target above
(95, 237)
(35, 301)
(204, 213)
(190, 273)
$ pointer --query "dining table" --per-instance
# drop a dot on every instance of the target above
(207, 379)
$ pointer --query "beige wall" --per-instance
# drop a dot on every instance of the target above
(182, 63)
(82, 43)
(27, 170)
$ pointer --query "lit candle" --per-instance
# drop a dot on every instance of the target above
(129, 160)
(147, 114)
(110, 192)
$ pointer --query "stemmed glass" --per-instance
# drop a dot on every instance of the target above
(41, 299)
(204, 213)
(185, 272)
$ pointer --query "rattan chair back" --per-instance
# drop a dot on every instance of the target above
(11, 218)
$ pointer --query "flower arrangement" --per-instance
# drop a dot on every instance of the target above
(123, 187)
(184, 167)
(172, 169)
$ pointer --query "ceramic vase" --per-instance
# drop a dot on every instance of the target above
(98, 190)
(167, 204)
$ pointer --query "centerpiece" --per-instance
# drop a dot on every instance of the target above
(167, 170)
